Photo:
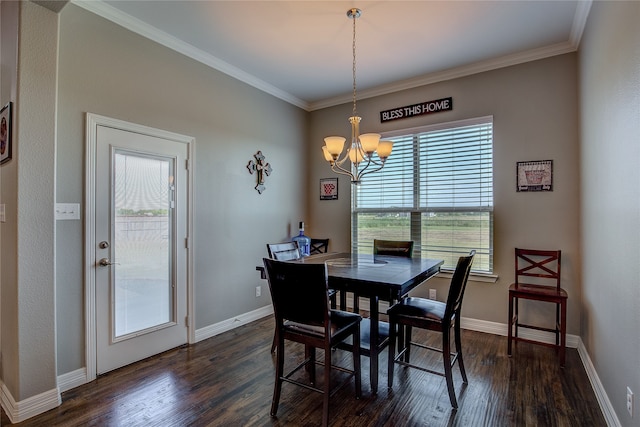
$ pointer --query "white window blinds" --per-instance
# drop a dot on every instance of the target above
(436, 189)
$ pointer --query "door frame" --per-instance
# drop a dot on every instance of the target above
(90, 261)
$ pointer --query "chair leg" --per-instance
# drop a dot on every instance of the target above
(516, 305)
(327, 387)
(356, 362)
(557, 325)
(446, 358)
(458, 341)
(310, 353)
(510, 323)
(275, 341)
(392, 351)
(279, 373)
(563, 332)
(407, 343)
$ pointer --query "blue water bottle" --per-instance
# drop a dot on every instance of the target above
(304, 242)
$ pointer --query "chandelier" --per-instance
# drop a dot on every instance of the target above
(358, 159)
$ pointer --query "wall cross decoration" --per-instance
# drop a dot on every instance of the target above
(261, 168)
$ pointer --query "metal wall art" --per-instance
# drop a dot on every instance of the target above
(261, 168)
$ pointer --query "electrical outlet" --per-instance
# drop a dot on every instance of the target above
(258, 291)
(630, 401)
(432, 294)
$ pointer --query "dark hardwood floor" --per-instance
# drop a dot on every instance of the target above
(228, 380)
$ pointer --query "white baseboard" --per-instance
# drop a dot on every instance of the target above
(72, 379)
(601, 395)
(30, 407)
(502, 329)
(20, 411)
(235, 322)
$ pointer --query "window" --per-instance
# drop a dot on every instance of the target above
(435, 189)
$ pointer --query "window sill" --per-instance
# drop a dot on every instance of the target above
(474, 277)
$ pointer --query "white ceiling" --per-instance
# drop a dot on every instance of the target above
(301, 51)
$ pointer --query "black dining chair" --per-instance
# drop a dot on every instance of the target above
(289, 251)
(393, 247)
(301, 304)
(319, 246)
(284, 251)
(434, 316)
(401, 248)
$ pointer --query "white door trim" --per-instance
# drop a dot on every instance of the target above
(92, 123)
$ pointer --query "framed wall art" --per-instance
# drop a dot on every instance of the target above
(5, 133)
(328, 188)
(535, 175)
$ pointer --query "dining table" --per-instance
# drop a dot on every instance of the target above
(378, 278)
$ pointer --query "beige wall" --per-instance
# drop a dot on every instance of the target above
(28, 293)
(110, 71)
(107, 70)
(534, 108)
(610, 185)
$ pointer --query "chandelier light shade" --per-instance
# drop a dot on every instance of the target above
(365, 153)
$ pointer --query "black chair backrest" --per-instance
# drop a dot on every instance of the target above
(319, 246)
(458, 285)
(284, 251)
(393, 248)
(544, 265)
(299, 291)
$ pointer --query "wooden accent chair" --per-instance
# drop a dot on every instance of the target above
(434, 316)
(393, 247)
(541, 270)
(319, 246)
(301, 304)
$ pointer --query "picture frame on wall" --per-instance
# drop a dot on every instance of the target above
(535, 175)
(329, 189)
(5, 133)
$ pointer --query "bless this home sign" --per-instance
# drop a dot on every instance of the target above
(444, 104)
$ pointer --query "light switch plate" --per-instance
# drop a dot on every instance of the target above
(2, 217)
(67, 211)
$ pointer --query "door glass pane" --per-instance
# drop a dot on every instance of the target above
(142, 282)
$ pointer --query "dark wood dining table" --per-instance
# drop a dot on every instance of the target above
(376, 277)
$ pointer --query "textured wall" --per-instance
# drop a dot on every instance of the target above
(610, 186)
(534, 108)
(28, 294)
(107, 70)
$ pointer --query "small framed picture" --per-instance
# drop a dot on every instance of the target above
(5, 133)
(535, 175)
(328, 188)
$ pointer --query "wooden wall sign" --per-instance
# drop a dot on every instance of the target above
(428, 107)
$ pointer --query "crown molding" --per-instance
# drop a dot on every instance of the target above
(145, 30)
(579, 22)
(133, 24)
(453, 73)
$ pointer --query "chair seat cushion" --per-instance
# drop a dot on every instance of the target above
(418, 307)
(541, 290)
(340, 321)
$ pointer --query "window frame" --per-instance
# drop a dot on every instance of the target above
(417, 210)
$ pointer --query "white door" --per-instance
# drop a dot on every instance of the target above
(141, 257)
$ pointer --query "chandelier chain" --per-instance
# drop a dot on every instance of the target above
(354, 64)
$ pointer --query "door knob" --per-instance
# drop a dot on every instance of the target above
(104, 262)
